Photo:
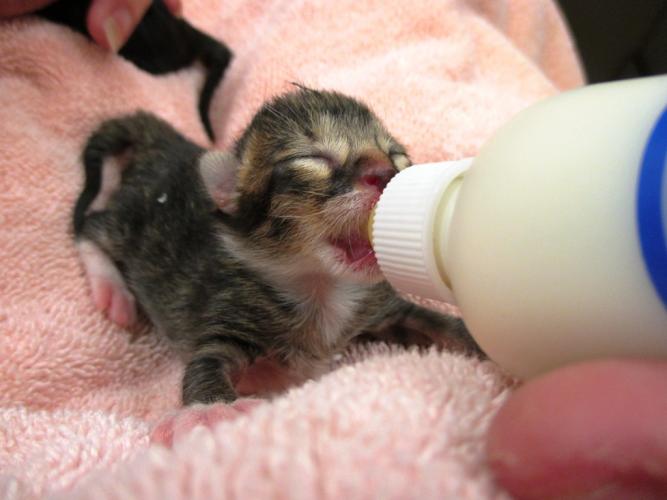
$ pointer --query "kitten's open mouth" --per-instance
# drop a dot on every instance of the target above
(356, 249)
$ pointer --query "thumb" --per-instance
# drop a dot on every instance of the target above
(111, 22)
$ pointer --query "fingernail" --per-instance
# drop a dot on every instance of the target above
(117, 28)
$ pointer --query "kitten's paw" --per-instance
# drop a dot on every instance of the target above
(110, 294)
(114, 298)
(180, 423)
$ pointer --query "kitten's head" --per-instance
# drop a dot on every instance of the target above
(306, 174)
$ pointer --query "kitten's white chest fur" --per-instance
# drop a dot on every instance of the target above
(329, 306)
(325, 304)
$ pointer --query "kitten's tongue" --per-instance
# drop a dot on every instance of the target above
(356, 247)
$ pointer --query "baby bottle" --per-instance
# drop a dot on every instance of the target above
(552, 240)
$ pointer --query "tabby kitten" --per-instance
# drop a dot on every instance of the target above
(258, 253)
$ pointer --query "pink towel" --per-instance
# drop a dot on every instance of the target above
(78, 395)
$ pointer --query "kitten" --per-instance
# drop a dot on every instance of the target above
(160, 44)
(259, 253)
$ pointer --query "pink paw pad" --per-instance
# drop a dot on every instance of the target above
(178, 424)
(110, 294)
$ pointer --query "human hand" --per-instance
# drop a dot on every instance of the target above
(595, 430)
(110, 22)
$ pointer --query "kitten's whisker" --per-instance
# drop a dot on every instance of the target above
(320, 194)
(292, 217)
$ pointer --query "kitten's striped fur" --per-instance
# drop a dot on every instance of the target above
(257, 253)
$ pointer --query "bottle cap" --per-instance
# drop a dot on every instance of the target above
(404, 229)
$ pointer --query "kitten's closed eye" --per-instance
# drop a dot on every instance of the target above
(398, 160)
(327, 159)
(320, 158)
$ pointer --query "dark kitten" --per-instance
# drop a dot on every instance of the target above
(162, 43)
(259, 253)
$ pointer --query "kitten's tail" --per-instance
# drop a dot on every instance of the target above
(113, 138)
(215, 57)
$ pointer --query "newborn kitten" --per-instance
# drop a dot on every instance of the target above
(160, 44)
(259, 253)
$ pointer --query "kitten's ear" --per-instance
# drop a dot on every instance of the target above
(219, 171)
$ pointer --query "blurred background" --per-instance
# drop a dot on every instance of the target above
(619, 38)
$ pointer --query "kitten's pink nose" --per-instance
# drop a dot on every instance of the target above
(377, 177)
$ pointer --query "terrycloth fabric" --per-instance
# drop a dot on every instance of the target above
(78, 395)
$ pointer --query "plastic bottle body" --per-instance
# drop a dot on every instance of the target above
(541, 246)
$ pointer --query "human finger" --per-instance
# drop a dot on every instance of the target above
(595, 430)
(111, 22)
